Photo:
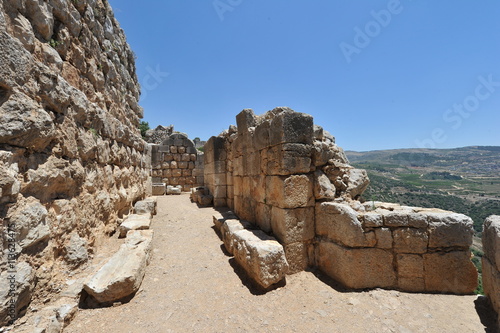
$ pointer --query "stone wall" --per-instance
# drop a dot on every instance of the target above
(176, 162)
(288, 177)
(72, 159)
(396, 247)
(491, 261)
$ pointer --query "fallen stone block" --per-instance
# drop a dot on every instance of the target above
(205, 200)
(218, 220)
(134, 222)
(146, 207)
(158, 189)
(262, 257)
(174, 189)
(227, 230)
(122, 275)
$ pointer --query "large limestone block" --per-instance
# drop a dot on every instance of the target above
(227, 230)
(451, 272)
(145, 207)
(134, 222)
(31, 220)
(410, 265)
(358, 182)
(410, 270)
(357, 268)
(290, 192)
(410, 240)
(491, 283)
(263, 216)
(245, 207)
(15, 290)
(322, 153)
(158, 188)
(293, 225)
(298, 256)
(288, 159)
(25, 124)
(291, 127)
(491, 240)
(384, 238)
(323, 188)
(261, 135)
(75, 251)
(258, 188)
(174, 189)
(262, 257)
(251, 164)
(372, 220)
(122, 275)
(340, 223)
(400, 216)
(450, 230)
(40, 14)
(245, 119)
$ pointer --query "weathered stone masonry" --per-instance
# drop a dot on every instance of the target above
(491, 261)
(176, 162)
(289, 178)
(72, 160)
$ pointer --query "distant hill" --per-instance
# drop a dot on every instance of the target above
(464, 180)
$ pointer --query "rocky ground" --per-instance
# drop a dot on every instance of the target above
(192, 285)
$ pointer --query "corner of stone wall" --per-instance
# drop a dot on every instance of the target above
(491, 262)
(288, 177)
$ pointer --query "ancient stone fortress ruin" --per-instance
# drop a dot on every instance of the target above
(74, 170)
(285, 176)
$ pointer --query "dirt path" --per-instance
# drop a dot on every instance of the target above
(191, 285)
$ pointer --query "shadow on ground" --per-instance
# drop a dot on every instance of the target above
(486, 314)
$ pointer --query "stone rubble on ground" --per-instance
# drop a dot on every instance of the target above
(201, 195)
(259, 254)
(122, 274)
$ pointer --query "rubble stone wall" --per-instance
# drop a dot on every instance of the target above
(289, 178)
(491, 261)
(72, 159)
(177, 162)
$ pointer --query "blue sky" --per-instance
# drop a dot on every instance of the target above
(376, 74)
